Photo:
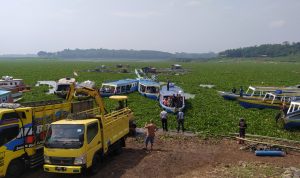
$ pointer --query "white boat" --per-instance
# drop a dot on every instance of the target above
(172, 100)
(9, 83)
(63, 86)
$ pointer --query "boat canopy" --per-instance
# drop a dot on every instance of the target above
(262, 90)
(284, 97)
(120, 82)
(149, 83)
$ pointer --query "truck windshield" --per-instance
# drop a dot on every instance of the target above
(65, 136)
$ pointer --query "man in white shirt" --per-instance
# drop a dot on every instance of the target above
(164, 120)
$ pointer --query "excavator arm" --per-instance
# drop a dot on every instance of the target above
(88, 91)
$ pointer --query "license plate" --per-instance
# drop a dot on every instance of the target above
(60, 169)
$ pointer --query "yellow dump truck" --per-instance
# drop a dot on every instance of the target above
(23, 129)
(75, 145)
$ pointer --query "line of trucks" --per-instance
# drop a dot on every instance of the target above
(67, 137)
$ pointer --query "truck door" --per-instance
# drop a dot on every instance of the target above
(11, 139)
(93, 141)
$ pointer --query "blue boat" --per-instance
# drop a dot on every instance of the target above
(118, 87)
(149, 88)
(172, 100)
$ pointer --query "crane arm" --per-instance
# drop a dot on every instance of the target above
(89, 91)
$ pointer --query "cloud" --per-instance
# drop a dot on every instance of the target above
(277, 24)
(145, 14)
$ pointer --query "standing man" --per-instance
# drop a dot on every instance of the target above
(164, 120)
(242, 129)
(151, 129)
(241, 91)
(180, 121)
(168, 84)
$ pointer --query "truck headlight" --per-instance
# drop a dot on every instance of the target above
(47, 159)
(80, 160)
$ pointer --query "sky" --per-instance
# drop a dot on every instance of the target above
(194, 26)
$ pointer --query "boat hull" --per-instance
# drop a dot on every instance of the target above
(150, 95)
(171, 109)
(258, 104)
(228, 95)
(292, 120)
(233, 96)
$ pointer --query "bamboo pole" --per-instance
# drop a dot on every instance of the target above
(266, 143)
(267, 137)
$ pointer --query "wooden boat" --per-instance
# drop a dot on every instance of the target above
(270, 100)
(63, 86)
(172, 100)
(292, 118)
(149, 88)
(251, 92)
(256, 92)
(118, 87)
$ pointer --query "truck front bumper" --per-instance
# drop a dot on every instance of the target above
(62, 169)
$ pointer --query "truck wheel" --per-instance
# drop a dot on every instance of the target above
(119, 147)
(15, 169)
(95, 164)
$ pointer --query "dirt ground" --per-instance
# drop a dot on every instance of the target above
(177, 155)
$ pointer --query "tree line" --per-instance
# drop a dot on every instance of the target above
(121, 54)
(265, 50)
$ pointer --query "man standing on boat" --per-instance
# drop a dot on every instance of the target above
(168, 85)
(241, 91)
(164, 120)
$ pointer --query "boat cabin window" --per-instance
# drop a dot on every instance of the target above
(8, 133)
(152, 90)
(143, 88)
(128, 87)
(123, 89)
(107, 89)
(133, 84)
(118, 89)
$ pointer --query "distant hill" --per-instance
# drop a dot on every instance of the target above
(121, 54)
(18, 55)
(265, 50)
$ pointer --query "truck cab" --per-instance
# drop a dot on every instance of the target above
(79, 143)
(23, 129)
(77, 140)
